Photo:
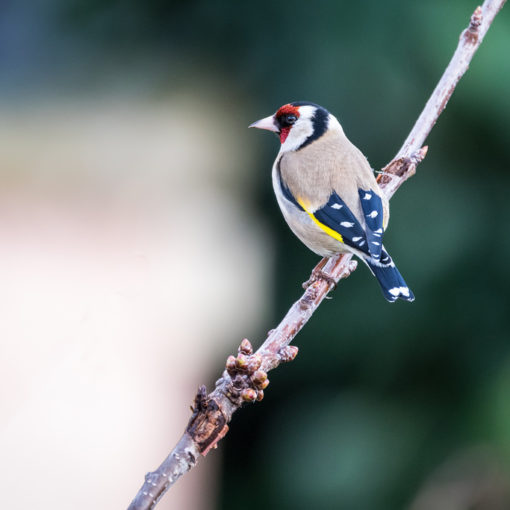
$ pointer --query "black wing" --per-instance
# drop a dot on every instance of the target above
(335, 215)
(371, 204)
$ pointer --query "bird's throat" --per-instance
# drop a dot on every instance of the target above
(284, 133)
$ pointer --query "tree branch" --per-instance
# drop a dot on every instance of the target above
(245, 376)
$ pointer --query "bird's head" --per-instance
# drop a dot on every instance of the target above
(298, 124)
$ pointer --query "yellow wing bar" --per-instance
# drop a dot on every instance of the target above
(333, 233)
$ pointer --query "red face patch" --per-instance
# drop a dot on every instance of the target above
(287, 109)
(281, 115)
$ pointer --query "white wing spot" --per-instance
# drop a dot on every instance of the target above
(367, 196)
(373, 214)
(347, 224)
(362, 243)
(378, 231)
(376, 243)
(336, 206)
(356, 239)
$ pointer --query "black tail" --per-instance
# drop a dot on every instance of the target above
(392, 284)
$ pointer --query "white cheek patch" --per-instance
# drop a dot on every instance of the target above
(300, 131)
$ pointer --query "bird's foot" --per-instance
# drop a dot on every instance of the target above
(319, 274)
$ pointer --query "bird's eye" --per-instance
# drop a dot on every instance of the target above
(291, 119)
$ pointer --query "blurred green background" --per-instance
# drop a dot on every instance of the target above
(386, 406)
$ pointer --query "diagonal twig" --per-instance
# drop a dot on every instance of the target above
(245, 376)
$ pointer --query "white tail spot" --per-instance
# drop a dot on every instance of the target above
(397, 291)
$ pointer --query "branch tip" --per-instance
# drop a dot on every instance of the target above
(419, 155)
(472, 31)
(246, 347)
(288, 353)
(476, 19)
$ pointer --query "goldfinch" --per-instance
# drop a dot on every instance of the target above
(328, 194)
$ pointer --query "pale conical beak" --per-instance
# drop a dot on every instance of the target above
(267, 123)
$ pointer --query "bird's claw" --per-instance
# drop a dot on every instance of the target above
(319, 274)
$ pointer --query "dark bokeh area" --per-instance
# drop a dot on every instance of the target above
(387, 405)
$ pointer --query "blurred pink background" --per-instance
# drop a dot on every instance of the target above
(119, 237)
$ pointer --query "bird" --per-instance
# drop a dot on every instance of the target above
(328, 194)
